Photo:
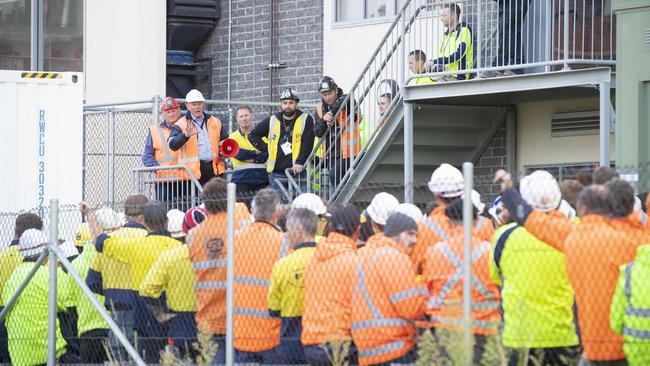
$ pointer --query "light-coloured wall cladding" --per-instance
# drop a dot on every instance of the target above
(536, 146)
(125, 50)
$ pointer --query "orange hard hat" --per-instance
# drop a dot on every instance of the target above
(169, 103)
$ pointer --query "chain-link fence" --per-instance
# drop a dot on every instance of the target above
(558, 271)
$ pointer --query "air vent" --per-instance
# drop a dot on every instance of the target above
(575, 123)
(647, 36)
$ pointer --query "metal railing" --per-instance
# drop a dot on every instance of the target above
(513, 36)
(164, 184)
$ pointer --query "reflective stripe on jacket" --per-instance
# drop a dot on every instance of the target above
(444, 278)
(345, 125)
(251, 169)
(162, 153)
(386, 302)
(455, 50)
(274, 139)
(630, 310)
(190, 151)
(257, 248)
(207, 243)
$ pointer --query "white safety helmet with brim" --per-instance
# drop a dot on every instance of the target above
(541, 190)
(310, 202)
(446, 181)
(381, 206)
(194, 96)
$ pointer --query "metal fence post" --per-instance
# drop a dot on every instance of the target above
(565, 33)
(604, 123)
(468, 175)
(548, 46)
(52, 265)
(155, 107)
(230, 291)
(408, 152)
(402, 49)
(110, 171)
(479, 38)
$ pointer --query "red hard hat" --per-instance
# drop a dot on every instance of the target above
(169, 103)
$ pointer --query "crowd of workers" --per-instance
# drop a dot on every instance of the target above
(558, 275)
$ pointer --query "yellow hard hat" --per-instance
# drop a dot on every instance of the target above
(82, 235)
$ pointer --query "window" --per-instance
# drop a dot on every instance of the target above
(566, 171)
(62, 35)
(359, 10)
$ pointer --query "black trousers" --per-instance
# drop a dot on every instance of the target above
(92, 346)
(511, 16)
(207, 172)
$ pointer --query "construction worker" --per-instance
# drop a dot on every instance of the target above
(27, 321)
(329, 283)
(536, 294)
(441, 275)
(249, 164)
(198, 136)
(140, 254)
(112, 278)
(157, 153)
(175, 220)
(286, 294)
(10, 258)
(446, 184)
(290, 136)
(631, 306)
(417, 60)
(91, 327)
(594, 249)
(387, 299)
(314, 204)
(376, 214)
(455, 50)
(338, 153)
(208, 255)
(257, 248)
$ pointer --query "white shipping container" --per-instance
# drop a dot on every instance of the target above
(41, 139)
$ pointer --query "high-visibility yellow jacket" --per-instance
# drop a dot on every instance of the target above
(10, 259)
(89, 318)
(172, 274)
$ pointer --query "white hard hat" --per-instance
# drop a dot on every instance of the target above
(476, 201)
(409, 210)
(32, 242)
(446, 181)
(381, 206)
(311, 202)
(107, 218)
(69, 249)
(194, 96)
(175, 223)
(540, 190)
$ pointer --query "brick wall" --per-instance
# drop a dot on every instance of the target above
(297, 41)
(493, 159)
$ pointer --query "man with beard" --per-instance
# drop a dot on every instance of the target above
(291, 139)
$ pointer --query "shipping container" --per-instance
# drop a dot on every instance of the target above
(41, 142)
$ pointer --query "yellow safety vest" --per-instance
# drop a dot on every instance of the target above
(450, 43)
(245, 144)
(274, 139)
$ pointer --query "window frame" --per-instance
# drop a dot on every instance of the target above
(392, 7)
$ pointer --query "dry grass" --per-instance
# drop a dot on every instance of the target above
(340, 351)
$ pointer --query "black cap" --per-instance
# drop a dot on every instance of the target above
(288, 93)
(326, 83)
(345, 220)
(398, 223)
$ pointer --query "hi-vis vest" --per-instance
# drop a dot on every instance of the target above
(162, 153)
(190, 150)
(345, 134)
(243, 142)
(274, 139)
(450, 43)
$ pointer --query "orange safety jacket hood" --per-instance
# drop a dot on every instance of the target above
(334, 245)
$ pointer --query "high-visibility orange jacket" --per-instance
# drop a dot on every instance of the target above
(162, 153)
(329, 282)
(257, 248)
(207, 243)
(346, 126)
(444, 278)
(190, 150)
(436, 228)
(387, 300)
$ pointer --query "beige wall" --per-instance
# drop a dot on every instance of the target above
(362, 38)
(125, 50)
(535, 146)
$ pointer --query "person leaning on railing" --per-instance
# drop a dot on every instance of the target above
(336, 152)
(198, 135)
(417, 60)
(455, 51)
(157, 153)
(290, 135)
